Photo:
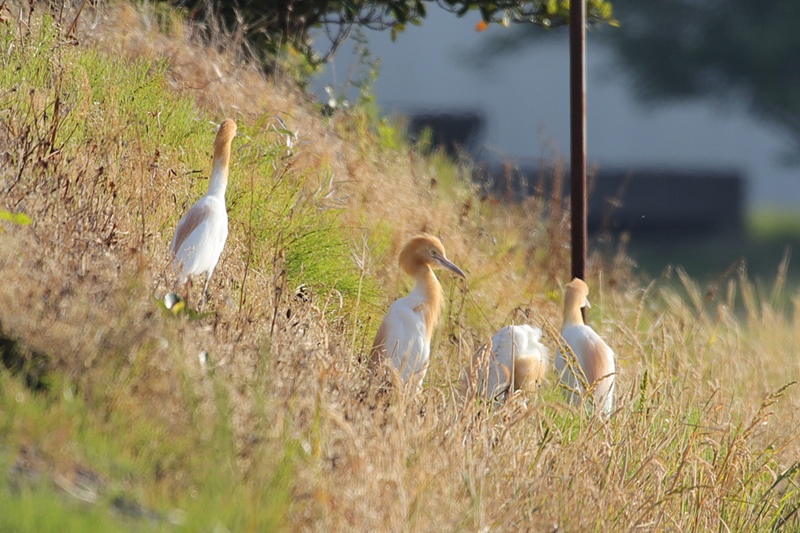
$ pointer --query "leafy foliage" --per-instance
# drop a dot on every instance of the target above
(744, 50)
(741, 52)
(274, 24)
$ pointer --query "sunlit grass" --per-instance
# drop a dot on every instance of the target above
(259, 415)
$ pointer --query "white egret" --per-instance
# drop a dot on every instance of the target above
(201, 233)
(594, 357)
(516, 360)
(404, 336)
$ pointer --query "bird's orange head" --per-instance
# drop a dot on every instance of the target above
(576, 296)
(424, 250)
(218, 181)
(225, 134)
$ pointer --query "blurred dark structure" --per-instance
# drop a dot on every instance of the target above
(664, 204)
(668, 202)
(456, 132)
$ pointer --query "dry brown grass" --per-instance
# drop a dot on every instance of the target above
(703, 437)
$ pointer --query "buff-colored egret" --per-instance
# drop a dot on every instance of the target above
(514, 360)
(404, 336)
(201, 233)
(592, 354)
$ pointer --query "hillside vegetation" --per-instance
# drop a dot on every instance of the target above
(258, 414)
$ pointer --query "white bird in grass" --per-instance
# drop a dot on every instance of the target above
(516, 361)
(404, 336)
(201, 233)
(594, 357)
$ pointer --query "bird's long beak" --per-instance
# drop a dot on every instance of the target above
(446, 263)
(587, 303)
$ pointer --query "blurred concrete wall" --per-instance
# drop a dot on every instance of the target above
(523, 96)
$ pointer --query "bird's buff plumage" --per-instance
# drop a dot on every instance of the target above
(513, 360)
(201, 233)
(404, 336)
(593, 356)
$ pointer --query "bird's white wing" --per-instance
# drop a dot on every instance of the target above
(533, 359)
(200, 236)
(522, 339)
(493, 372)
(595, 358)
(594, 355)
(196, 214)
(405, 340)
(520, 354)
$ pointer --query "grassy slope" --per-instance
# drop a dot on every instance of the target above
(120, 426)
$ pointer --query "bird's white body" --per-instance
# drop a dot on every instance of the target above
(201, 233)
(404, 336)
(516, 361)
(200, 250)
(407, 343)
(594, 357)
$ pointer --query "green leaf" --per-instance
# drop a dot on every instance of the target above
(16, 218)
(421, 10)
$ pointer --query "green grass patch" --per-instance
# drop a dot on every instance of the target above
(774, 224)
(69, 465)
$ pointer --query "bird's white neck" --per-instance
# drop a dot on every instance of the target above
(572, 311)
(218, 182)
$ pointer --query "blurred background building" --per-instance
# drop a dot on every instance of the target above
(684, 170)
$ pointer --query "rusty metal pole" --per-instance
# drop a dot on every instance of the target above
(577, 105)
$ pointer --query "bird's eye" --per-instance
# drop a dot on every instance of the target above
(433, 253)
